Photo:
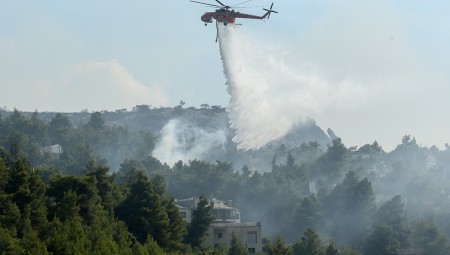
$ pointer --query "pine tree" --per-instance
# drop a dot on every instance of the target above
(349, 207)
(309, 244)
(100, 233)
(4, 175)
(392, 214)
(9, 244)
(27, 189)
(308, 215)
(104, 184)
(143, 213)
(59, 130)
(122, 238)
(382, 241)
(30, 241)
(61, 192)
(236, 247)
(10, 216)
(331, 250)
(68, 207)
(96, 121)
(158, 185)
(152, 247)
(427, 236)
(279, 247)
(177, 226)
(103, 245)
(68, 237)
(201, 220)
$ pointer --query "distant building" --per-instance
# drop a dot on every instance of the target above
(249, 233)
(222, 211)
(55, 149)
(185, 212)
(312, 188)
(227, 221)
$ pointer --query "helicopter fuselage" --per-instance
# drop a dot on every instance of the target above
(221, 15)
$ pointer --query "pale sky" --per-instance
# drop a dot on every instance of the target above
(107, 55)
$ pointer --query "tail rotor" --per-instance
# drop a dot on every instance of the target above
(269, 11)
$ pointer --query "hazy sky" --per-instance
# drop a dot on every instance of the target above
(387, 60)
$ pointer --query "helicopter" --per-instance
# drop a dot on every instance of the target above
(227, 15)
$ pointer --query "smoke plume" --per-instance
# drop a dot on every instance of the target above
(183, 141)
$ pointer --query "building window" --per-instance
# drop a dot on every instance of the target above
(219, 235)
(252, 237)
(251, 250)
(183, 214)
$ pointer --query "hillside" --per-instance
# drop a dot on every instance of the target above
(188, 136)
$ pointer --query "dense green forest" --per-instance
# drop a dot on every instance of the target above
(107, 193)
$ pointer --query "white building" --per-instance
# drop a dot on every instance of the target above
(222, 211)
(55, 149)
(249, 233)
(227, 221)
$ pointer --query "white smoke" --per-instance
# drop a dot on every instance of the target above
(181, 141)
(269, 95)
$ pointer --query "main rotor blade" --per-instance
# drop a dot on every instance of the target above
(213, 5)
(221, 3)
(248, 7)
(241, 3)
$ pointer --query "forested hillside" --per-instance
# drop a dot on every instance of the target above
(108, 193)
(181, 133)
